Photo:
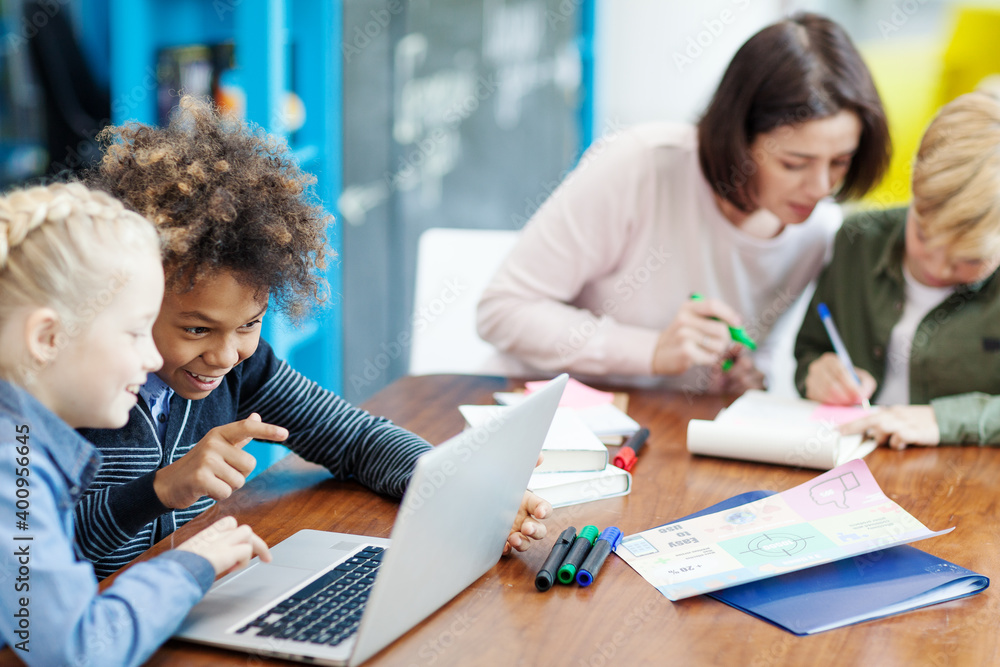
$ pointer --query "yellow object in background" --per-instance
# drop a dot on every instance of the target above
(906, 73)
(972, 54)
(918, 75)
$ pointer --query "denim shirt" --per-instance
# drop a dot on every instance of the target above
(50, 610)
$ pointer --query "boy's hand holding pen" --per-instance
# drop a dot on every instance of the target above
(829, 382)
(833, 378)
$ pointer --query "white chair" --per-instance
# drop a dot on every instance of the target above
(454, 266)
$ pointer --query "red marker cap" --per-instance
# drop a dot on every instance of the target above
(626, 458)
(628, 453)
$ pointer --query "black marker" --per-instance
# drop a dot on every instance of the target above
(547, 575)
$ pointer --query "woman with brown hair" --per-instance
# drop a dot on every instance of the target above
(735, 209)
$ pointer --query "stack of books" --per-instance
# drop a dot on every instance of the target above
(574, 468)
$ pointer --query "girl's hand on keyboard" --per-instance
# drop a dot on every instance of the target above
(227, 546)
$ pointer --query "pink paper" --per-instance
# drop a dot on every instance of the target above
(838, 414)
(576, 394)
(849, 486)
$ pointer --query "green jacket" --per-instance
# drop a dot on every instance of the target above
(955, 359)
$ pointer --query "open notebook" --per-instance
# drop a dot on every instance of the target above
(788, 431)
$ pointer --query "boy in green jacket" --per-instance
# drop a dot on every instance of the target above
(914, 292)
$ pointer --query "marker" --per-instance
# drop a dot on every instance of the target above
(838, 346)
(608, 541)
(547, 575)
(738, 334)
(628, 453)
(577, 552)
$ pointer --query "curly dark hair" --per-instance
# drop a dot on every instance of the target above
(224, 195)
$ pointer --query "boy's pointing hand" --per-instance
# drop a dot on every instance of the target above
(216, 466)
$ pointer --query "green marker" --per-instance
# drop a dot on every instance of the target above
(577, 553)
(736, 333)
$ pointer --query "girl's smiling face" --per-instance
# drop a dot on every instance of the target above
(96, 369)
(206, 332)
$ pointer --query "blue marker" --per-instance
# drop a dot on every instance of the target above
(838, 346)
(607, 541)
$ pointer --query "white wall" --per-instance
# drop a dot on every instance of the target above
(662, 59)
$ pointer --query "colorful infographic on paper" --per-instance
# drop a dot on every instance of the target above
(841, 513)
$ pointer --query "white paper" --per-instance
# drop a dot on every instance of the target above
(785, 431)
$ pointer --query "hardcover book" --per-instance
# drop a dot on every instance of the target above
(569, 446)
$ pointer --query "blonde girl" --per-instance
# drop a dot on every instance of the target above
(80, 286)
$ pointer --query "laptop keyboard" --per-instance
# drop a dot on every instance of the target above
(328, 610)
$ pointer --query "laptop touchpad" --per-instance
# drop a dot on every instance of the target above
(268, 581)
(312, 550)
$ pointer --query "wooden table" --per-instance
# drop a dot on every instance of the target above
(621, 619)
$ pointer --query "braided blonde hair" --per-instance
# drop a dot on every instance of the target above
(59, 245)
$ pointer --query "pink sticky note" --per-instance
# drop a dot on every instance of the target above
(838, 414)
(576, 394)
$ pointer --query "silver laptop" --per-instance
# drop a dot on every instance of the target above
(338, 599)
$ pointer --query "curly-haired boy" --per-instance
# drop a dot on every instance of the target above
(238, 228)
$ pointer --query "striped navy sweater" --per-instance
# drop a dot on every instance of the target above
(120, 516)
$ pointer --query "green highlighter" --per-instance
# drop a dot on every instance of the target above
(736, 333)
(577, 553)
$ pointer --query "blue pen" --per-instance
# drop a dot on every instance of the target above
(607, 542)
(838, 346)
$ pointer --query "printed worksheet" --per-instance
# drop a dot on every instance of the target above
(841, 513)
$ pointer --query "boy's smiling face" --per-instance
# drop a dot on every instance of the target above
(206, 332)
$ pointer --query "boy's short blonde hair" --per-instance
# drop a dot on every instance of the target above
(58, 248)
(956, 177)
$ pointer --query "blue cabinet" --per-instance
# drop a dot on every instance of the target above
(22, 146)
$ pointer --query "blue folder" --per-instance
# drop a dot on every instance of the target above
(848, 591)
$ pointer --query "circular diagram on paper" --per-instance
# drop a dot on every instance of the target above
(776, 545)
